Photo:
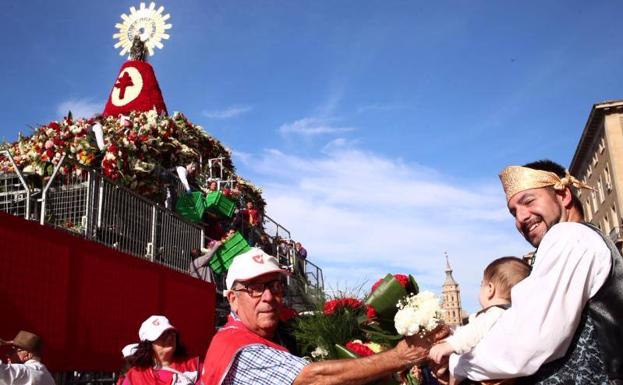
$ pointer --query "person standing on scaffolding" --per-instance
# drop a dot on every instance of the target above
(251, 221)
(184, 174)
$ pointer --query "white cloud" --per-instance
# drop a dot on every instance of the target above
(227, 113)
(312, 126)
(80, 108)
(361, 215)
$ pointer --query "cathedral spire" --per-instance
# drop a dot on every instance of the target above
(449, 278)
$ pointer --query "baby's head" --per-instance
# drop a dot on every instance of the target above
(499, 278)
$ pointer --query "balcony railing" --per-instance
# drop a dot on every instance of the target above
(94, 207)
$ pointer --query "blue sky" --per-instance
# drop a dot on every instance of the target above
(376, 128)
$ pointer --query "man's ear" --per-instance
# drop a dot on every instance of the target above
(565, 196)
(232, 298)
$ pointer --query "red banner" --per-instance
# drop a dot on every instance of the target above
(87, 301)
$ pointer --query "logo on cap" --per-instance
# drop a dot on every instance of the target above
(156, 322)
(258, 258)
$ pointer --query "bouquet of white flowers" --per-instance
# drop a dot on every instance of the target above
(418, 313)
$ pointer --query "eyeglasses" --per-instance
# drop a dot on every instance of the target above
(255, 290)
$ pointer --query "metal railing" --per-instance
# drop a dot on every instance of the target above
(92, 206)
(15, 194)
(274, 229)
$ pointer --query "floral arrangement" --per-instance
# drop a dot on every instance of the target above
(418, 313)
(349, 327)
(136, 148)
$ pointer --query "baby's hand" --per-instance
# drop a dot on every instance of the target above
(439, 351)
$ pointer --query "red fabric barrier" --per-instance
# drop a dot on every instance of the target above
(87, 300)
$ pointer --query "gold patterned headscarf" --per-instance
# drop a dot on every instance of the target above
(516, 179)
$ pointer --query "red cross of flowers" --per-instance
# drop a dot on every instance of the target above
(123, 82)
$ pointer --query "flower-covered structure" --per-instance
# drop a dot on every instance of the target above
(136, 148)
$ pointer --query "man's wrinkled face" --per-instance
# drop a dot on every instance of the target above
(536, 211)
(260, 314)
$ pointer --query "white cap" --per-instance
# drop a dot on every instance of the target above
(251, 264)
(153, 327)
(129, 350)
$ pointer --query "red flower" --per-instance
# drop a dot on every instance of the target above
(371, 312)
(112, 148)
(401, 278)
(287, 314)
(332, 306)
(54, 126)
(359, 349)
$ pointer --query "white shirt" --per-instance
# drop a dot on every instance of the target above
(182, 173)
(468, 336)
(29, 373)
(572, 264)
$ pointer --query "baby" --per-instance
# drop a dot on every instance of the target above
(495, 297)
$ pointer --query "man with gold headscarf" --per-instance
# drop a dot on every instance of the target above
(564, 326)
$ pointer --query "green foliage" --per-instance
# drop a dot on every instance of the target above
(319, 330)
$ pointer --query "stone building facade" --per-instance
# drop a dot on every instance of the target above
(598, 161)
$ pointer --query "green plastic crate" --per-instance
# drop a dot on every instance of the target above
(191, 206)
(219, 204)
(224, 256)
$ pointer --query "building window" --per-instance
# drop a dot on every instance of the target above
(594, 200)
(602, 145)
(608, 178)
(589, 172)
(615, 216)
(588, 211)
(600, 189)
(606, 227)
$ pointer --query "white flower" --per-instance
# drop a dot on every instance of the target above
(319, 352)
(418, 314)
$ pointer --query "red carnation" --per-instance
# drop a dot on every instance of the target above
(371, 312)
(54, 126)
(402, 279)
(360, 349)
(332, 306)
(287, 314)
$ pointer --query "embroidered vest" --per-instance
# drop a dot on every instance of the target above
(595, 355)
(138, 376)
(224, 347)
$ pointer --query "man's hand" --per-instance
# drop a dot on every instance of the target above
(409, 353)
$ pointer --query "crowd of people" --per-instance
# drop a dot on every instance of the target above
(556, 322)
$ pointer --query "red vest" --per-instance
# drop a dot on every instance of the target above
(139, 376)
(225, 346)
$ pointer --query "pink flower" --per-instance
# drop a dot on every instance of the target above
(49, 144)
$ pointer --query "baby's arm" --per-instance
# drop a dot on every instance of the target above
(467, 336)
(439, 351)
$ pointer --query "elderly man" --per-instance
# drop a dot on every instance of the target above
(24, 367)
(244, 350)
(564, 326)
